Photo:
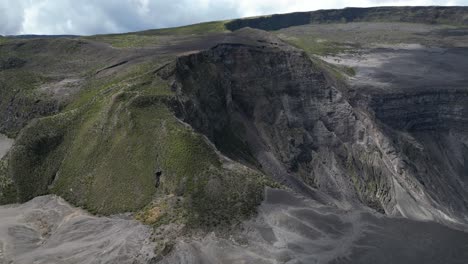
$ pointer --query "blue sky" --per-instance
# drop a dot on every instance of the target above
(87, 17)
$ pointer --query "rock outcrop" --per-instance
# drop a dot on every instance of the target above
(274, 109)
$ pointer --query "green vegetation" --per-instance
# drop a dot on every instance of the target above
(20, 80)
(105, 149)
(316, 46)
(111, 158)
(195, 29)
(36, 62)
(129, 40)
(8, 192)
(338, 72)
(18, 88)
(110, 161)
(83, 150)
(35, 158)
(369, 185)
(3, 40)
(159, 37)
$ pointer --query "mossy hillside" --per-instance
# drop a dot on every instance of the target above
(8, 192)
(104, 151)
(56, 57)
(316, 46)
(36, 155)
(337, 74)
(195, 29)
(227, 197)
(42, 147)
(129, 40)
(110, 162)
(215, 198)
(13, 81)
(212, 194)
(21, 99)
(40, 62)
(159, 37)
(137, 78)
(146, 139)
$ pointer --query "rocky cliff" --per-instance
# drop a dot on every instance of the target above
(276, 110)
(417, 14)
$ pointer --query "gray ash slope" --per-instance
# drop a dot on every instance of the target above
(291, 229)
(49, 230)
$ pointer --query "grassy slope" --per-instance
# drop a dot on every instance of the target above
(103, 151)
(316, 46)
(46, 61)
(157, 37)
(197, 29)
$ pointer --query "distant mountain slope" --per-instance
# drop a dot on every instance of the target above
(43, 36)
(430, 15)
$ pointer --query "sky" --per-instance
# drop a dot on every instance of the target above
(87, 17)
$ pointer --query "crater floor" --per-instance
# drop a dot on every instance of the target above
(291, 229)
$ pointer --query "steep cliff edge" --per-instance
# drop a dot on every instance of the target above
(274, 109)
(413, 14)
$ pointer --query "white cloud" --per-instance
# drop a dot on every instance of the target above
(110, 16)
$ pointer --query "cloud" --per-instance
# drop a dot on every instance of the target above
(11, 17)
(86, 17)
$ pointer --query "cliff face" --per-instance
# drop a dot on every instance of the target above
(273, 104)
(429, 132)
(439, 109)
(276, 110)
(417, 14)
